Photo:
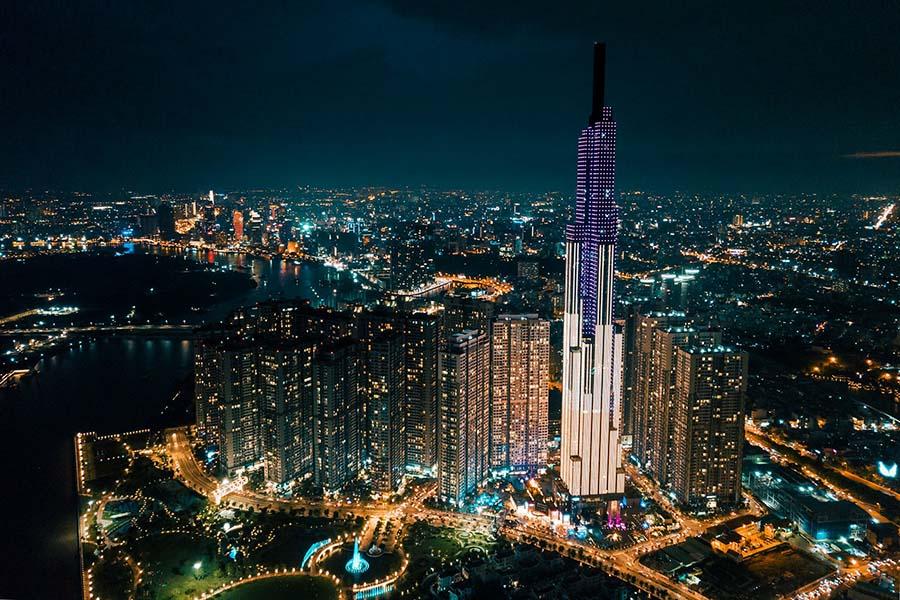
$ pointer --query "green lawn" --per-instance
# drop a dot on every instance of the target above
(289, 587)
(112, 578)
(169, 561)
(446, 542)
(292, 541)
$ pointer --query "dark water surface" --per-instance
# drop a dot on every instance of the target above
(105, 385)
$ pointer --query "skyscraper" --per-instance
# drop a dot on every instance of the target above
(240, 439)
(658, 336)
(423, 344)
(286, 396)
(166, 220)
(708, 425)
(591, 451)
(386, 385)
(520, 374)
(464, 415)
(639, 373)
(462, 313)
(207, 387)
(336, 451)
(369, 326)
(237, 222)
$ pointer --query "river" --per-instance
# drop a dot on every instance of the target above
(108, 385)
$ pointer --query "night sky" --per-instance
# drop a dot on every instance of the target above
(717, 96)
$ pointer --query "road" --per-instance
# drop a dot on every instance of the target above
(821, 473)
(622, 564)
(804, 451)
(189, 471)
(870, 484)
(395, 519)
(829, 585)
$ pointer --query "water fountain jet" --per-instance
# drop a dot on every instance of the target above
(357, 565)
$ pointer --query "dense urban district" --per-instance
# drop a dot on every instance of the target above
(482, 394)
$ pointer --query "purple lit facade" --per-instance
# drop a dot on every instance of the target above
(591, 449)
(596, 214)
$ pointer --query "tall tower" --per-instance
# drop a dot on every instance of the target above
(591, 451)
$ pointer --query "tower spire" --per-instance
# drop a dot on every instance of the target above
(590, 447)
(599, 82)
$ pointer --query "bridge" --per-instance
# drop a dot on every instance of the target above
(150, 329)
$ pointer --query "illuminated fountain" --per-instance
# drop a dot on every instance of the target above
(357, 565)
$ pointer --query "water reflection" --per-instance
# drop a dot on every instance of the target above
(107, 385)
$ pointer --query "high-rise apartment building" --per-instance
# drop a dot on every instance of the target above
(708, 425)
(463, 313)
(658, 356)
(463, 459)
(386, 389)
(411, 266)
(336, 415)
(285, 388)
(240, 439)
(520, 374)
(207, 388)
(255, 387)
(423, 344)
(591, 449)
(667, 341)
(369, 326)
(318, 393)
(639, 373)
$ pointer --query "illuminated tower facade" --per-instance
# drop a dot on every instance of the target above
(464, 448)
(336, 420)
(520, 374)
(237, 222)
(386, 380)
(285, 394)
(708, 425)
(423, 346)
(591, 450)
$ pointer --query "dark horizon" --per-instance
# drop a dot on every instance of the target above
(726, 99)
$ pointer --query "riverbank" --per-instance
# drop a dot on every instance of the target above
(107, 384)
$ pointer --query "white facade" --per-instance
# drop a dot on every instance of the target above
(591, 449)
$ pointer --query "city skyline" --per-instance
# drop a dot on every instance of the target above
(303, 380)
